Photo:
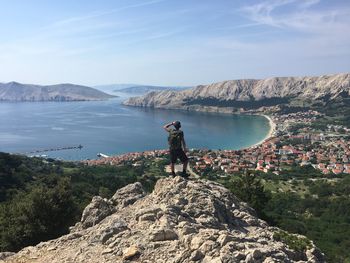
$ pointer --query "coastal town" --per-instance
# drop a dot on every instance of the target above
(293, 140)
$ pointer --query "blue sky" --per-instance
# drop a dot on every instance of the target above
(171, 42)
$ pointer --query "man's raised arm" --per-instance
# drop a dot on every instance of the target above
(166, 126)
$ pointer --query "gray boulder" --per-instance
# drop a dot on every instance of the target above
(128, 195)
(96, 211)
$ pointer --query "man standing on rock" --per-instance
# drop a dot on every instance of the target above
(177, 146)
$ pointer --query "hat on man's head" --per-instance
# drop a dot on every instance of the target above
(177, 124)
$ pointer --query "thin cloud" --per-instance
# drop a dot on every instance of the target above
(308, 3)
(299, 17)
(261, 13)
(247, 25)
(178, 42)
(71, 20)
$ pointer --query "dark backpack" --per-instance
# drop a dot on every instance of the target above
(175, 139)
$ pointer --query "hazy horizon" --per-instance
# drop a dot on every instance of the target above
(171, 43)
(155, 85)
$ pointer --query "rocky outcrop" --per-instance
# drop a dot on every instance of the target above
(14, 91)
(249, 93)
(96, 211)
(128, 195)
(100, 208)
(180, 221)
(4, 255)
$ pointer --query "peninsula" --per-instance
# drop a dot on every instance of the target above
(18, 92)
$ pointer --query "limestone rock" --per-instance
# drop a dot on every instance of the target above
(97, 210)
(128, 195)
(14, 91)
(180, 221)
(196, 255)
(114, 228)
(4, 255)
(322, 88)
(163, 234)
(131, 252)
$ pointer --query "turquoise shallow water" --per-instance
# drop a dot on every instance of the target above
(111, 128)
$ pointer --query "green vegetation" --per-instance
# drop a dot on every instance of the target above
(28, 217)
(301, 201)
(338, 110)
(293, 241)
(35, 191)
(250, 189)
(251, 104)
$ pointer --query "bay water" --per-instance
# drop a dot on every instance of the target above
(111, 128)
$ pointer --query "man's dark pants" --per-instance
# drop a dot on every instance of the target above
(178, 154)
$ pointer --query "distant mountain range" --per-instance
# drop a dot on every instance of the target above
(253, 94)
(135, 89)
(14, 91)
(143, 89)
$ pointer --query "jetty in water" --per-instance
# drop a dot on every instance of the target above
(56, 149)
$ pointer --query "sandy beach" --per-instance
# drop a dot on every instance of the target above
(270, 133)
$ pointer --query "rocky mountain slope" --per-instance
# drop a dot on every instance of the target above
(180, 221)
(135, 89)
(250, 93)
(14, 91)
(143, 89)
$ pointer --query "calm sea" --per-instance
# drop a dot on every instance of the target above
(111, 128)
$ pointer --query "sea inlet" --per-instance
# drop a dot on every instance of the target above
(111, 128)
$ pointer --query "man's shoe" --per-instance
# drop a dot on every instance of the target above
(185, 175)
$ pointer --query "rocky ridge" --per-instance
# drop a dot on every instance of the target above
(271, 90)
(144, 89)
(14, 91)
(180, 221)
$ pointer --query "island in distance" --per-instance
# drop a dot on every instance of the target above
(143, 89)
(18, 92)
(136, 89)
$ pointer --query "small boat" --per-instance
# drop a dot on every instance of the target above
(102, 155)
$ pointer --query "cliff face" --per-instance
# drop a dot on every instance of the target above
(14, 91)
(251, 93)
(180, 221)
